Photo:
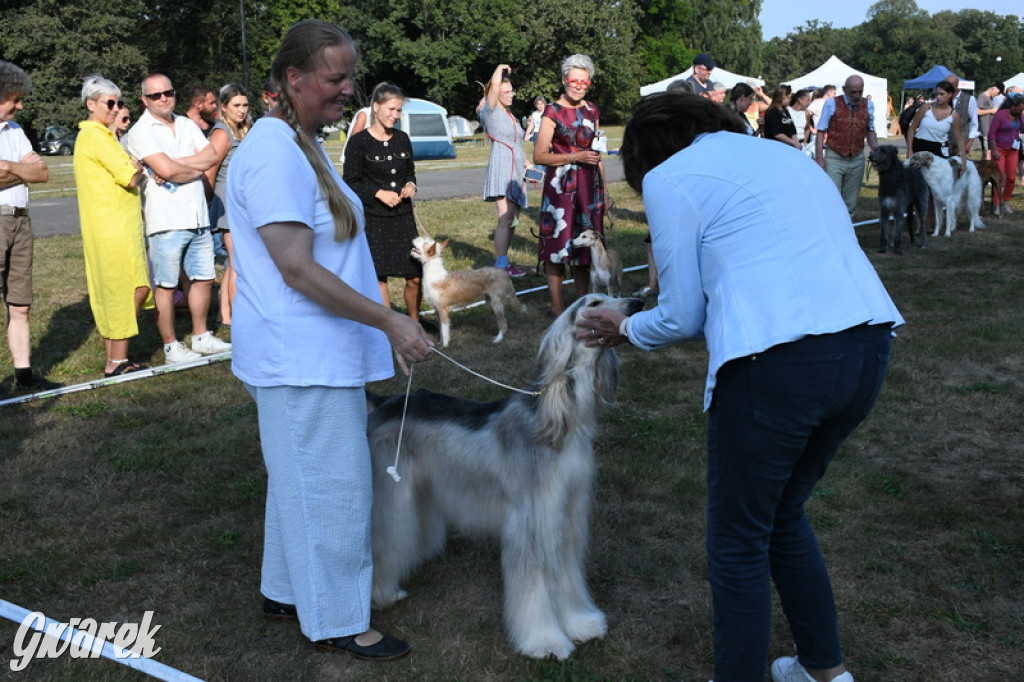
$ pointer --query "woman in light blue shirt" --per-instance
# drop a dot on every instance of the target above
(797, 326)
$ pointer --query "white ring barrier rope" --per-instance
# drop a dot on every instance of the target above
(87, 642)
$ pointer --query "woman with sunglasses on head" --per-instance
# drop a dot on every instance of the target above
(503, 183)
(229, 130)
(110, 213)
(574, 185)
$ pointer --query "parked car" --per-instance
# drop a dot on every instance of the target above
(58, 140)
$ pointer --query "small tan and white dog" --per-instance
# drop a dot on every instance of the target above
(444, 290)
(605, 264)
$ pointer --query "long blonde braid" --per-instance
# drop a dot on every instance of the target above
(300, 48)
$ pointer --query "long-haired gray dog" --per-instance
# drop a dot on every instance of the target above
(520, 469)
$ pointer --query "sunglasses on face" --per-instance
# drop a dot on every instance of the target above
(111, 103)
(576, 83)
(154, 96)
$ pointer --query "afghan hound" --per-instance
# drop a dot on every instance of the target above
(520, 469)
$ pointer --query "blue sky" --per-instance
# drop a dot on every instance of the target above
(779, 17)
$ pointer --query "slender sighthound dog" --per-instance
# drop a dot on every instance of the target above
(520, 469)
(605, 264)
(952, 194)
(444, 290)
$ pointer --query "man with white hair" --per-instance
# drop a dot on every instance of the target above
(845, 122)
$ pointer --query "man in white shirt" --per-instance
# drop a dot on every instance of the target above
(19, 166)
(176, 154)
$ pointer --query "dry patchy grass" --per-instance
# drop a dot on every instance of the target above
(149, 496)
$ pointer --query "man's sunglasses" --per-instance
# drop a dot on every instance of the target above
(154, 96)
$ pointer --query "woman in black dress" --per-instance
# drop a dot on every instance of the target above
(379, 168)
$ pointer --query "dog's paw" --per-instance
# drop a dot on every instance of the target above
(586, 625)
(499, 338)
(385, 598)
(547, 643)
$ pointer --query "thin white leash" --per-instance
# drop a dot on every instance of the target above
(393, 469)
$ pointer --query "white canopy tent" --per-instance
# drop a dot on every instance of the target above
(1017, 81)
(835, 72)
(719, 75)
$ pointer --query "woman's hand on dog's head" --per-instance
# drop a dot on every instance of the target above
(600, 327)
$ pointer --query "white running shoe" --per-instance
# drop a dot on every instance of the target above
(788, 669)
(179, 353)
(207, 344)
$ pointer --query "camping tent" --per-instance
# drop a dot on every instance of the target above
(426, 124)
(835, 72)
(929, 79)
(462, 126)
(719, 75)
(1017, 81)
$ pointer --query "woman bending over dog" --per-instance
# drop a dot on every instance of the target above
(796, 364)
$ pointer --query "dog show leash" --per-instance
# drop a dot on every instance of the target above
(393, 469)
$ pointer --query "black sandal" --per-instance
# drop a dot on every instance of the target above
(275, 610)
(386, 649)
(125, 368)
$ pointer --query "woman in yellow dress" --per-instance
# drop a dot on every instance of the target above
(110, 213)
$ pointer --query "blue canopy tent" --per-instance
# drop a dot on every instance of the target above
(927, 80)
(931, 78)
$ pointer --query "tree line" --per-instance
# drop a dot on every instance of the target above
(442, 49)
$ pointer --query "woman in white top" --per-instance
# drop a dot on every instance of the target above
(934, 124)
(801, 117)
(311, 332)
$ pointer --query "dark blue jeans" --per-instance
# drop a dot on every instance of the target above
(776, 420)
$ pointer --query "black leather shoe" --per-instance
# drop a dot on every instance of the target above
(386, 649)
(275, 610)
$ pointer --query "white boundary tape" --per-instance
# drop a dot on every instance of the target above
(132, 376)
(148, 666)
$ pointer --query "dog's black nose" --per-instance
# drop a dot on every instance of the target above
(635, 305)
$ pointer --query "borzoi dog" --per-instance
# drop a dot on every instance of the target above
(902, 195)
(444, 289)
(520, 469)
(605, 264)
(963, 193)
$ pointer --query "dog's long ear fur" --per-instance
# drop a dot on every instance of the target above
(574, 379)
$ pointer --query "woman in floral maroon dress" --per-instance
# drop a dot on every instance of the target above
(574, 188)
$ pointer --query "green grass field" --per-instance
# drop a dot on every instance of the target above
(149, 495)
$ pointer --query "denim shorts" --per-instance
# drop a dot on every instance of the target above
(168, 250)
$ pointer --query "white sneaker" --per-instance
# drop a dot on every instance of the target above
(207, 343)
(1007, 210)
(179, 353)
(788, 669)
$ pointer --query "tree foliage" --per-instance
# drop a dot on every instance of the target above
(441, 49)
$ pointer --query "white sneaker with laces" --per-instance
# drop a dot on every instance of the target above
(788, 669)
(179, 353)
(207, 344)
